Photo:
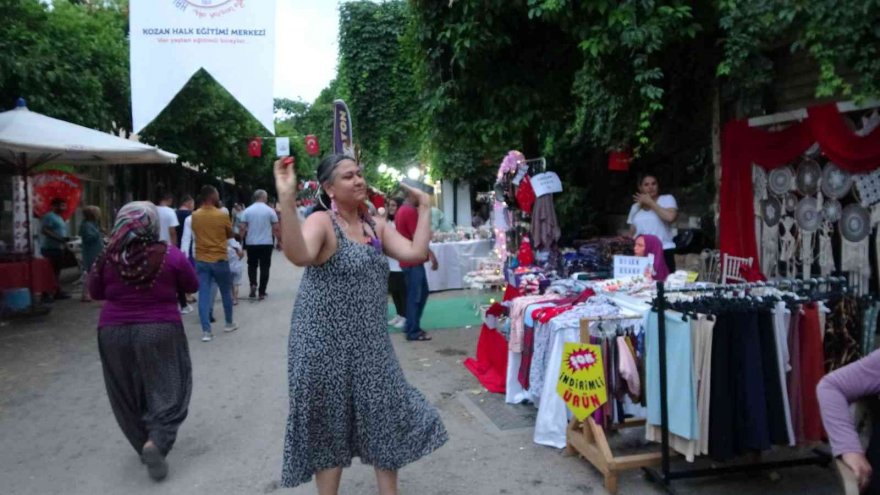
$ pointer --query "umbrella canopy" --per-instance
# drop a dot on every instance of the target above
(28, 139)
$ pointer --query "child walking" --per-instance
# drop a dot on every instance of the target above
(235, 254)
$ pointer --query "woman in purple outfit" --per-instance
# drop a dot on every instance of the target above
(836, 391)
(141, 341)
(648, 244)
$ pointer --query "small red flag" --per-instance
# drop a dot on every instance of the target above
(619, 160)
(312, 147)
(255, 147)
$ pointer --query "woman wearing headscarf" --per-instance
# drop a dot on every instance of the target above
(348, 395)
(141, 341)
(648, 244)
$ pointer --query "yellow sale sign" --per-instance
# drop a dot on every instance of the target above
(581, 381)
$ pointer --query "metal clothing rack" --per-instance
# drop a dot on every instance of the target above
(666, 475)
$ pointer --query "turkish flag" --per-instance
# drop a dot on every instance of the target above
(255, 147)
(312, 147)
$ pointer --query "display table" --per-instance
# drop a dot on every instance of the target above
(14, 275)
(455, 260)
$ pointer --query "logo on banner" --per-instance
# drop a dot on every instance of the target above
(581, 381)
(209, 7)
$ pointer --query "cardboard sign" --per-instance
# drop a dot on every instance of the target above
(581, 381)
(546, 183)
(633, 266)
(282, 146)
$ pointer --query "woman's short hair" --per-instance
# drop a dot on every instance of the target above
(92, 213)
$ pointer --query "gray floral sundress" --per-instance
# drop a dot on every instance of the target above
(348, 395)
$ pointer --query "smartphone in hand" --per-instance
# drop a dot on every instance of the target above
(418, 185)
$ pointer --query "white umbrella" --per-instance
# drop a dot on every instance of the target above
(28, 139)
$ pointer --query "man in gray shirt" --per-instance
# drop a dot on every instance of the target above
(259, 228)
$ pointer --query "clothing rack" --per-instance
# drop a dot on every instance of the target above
(588, 438)
(666, 474)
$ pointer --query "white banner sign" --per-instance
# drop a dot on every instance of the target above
(234, 40)
(633, 266)
(282, 146)
(546, 183)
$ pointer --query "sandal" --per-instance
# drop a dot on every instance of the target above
(421, 337)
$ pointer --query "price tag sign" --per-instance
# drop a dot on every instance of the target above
(546, 183)
(582, 379)
(633, 266)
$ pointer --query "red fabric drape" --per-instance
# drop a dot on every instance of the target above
(741, 146)
(490, 366)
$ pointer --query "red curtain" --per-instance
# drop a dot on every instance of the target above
(741, 146)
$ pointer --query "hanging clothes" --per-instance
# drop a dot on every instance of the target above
(812, 370)
(781, 325)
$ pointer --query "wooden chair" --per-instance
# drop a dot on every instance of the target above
(731, 268)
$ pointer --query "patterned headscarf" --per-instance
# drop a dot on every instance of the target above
(653, 245)
(135, 250)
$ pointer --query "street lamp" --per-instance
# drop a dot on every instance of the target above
(413, 173)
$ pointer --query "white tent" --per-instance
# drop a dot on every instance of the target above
(28, 139)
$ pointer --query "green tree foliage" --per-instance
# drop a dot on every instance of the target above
(207, 127)
(376, 81)
(68, 61)
(839, 36)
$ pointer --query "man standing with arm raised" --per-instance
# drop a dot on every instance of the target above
(406, 221)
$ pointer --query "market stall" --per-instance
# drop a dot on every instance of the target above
(455, 259)
(597, 354)
(29, 139)
(803, 201)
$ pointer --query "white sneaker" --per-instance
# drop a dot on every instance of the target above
(230, 327)
(207, 337)
(186, 309)
(400, 324)
(394, 321)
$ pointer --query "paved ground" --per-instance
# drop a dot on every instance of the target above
(58, 434)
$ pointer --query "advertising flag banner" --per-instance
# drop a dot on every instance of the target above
(343, 137)
(282, 146)
(581, 381)
(233, 40)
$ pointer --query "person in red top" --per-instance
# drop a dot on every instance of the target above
(405, 222)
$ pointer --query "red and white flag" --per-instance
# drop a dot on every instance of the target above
(255, 147)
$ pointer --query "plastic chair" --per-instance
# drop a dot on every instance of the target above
(731, 267)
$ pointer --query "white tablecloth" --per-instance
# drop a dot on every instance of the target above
(455, 260)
